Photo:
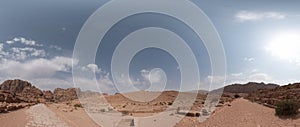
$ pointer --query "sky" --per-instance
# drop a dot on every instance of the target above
(260, 39)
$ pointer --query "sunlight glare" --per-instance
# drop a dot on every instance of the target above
(285, 46)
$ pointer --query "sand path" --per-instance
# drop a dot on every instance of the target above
(13, 119)
(41, 116)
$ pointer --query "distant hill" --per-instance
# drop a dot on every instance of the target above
(249, 87)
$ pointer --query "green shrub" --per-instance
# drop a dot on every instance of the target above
(287, 108)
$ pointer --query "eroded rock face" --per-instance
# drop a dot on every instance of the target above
(17, 94)
(21, 90)
(270, 97)
(15, 86)
(48, 96)
(6, 107)
(62, 95)
(6, 96)
(248, 88)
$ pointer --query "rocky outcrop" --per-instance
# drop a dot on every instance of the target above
(16, 91)
(21, 90)
(270, 97)
(62, 95)
(48, 96)
(6, 107)
(16, 94)
(6, 96)
(248, 88)
(15, 86)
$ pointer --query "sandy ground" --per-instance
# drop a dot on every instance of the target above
(13, 119)
(41, 116)
(45, 116)
(241, 113)
(76, 118)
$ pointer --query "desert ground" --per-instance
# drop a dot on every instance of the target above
(240, 113)
(248, 105)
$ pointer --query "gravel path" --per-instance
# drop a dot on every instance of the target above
(41, 116)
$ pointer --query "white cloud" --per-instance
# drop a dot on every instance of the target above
(104, 79)
(256, 76)
(17, 53)
(249, 59)
(2, 52)
(36, 68)
(154, 76)
(124, 81)
(27, 50)
(63, 28)
(217, 82)
(16, 39)
(236, 74)
(256, 16)
(91, 67)
(24, 41)
(31, 61)
(145, 74)
(260, 77)
(52, 83)
(144, 71)
(248, 76)
(55, 47)
(10, 42)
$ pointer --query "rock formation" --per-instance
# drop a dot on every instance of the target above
(270, 97)
(22, 90)
(16, 94)
(62, 95)
(248, 88)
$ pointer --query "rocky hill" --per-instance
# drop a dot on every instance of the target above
(271, 97)
(25, 92)
(248, 88)
(61, 95)
(15, 94)
(22, 90)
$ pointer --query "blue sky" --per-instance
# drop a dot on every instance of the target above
(37, 40)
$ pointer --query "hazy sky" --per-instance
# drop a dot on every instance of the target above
(260, 39)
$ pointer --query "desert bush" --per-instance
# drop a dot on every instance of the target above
(78, 105)
(125, 113)
(237, 96)
(287, 108)
(102, 110)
